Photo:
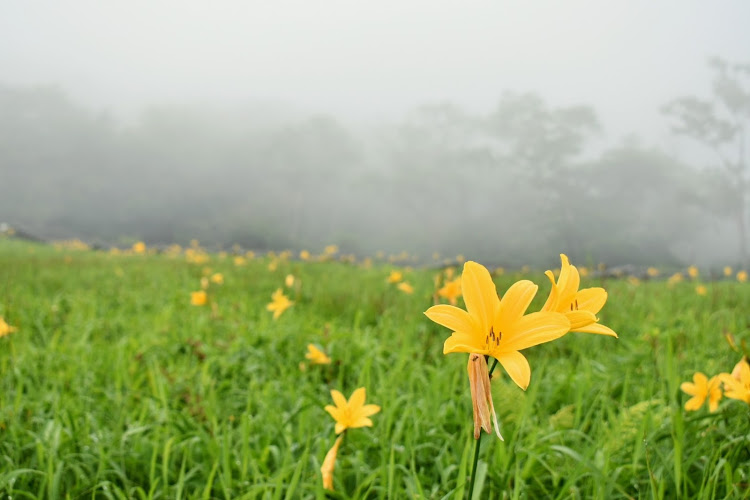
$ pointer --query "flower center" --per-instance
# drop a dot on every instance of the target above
(574, 305)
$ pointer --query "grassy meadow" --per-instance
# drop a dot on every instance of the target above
(115, 386)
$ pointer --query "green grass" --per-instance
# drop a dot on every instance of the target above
(114, 386)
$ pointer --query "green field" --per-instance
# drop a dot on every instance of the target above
(115, 386)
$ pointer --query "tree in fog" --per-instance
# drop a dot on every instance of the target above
(721, 124)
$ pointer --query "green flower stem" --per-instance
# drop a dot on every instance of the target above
(476, 450)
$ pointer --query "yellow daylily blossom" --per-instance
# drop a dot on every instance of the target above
(316, 356)
(331, 250)
(395, 277)
(727, 271)
(199, 298)
(405, 287)
(139, 247)
(329, 462)
(495, 327)
(737, 384)
(239, 261)
(675, 278)
(652, 272)
(204, 283)
(304, 255)
(742, 276)
(353, 413)
(451, 291)
(289, 280)
(279, 303)
(701, 290)
(579, 306)
(5, 328)
(692, 272)
(217, 278)
(700, 389)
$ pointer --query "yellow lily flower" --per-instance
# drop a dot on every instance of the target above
(316, 356)
(139, 247)
(692, 272)
(279, 303)
(737, 385)
(395, 277)
(495, 327)
(579, 306)
(727, 271)
(742, 276)
(326, 470)
(702, 388)
(5, 328)
(353, 413)
(198, 298)
(451, 291)
(289, 280)
(701, 290)
(217, 278)
(405, 287)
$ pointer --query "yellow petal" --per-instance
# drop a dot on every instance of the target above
(368, 410)
(554, 294)
(461, 342)
(362, 422)
(598, 329)
(569, 281)
(452, 318)
(339, 428)
(329, 462)
(700, 380)
(579, 319)
(338, 398)
(335, 412)
(694, 403)
(515, 302)
(358, 398)
(517, 367)
(688, 388)
(534, 329)
(591, 299)
(480, 294)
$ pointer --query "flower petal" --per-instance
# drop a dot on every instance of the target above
(554, 294)
(452, 318)
(568, 282)
(480, 294)
(694, 403)
(579, 319)
(368, 410)
(339, 428)
(515, 302)
(338, 398)
(358, 399)
(517, 367)
(362, 422)
(591, 299)
(533, 329)
(596, 328)
(335, 412)
(688, 388)
(461, 342)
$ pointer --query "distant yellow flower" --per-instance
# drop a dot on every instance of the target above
(652, 272)
(273, 265)
(727, 271)
(460, 259)
(405, 287)
(353, 413)
(742, 276)
(217, 278)
(701, 290)
(737, 385)
(495, 327)
(204, 283)
(450, 271)
(702, 388)
(239, 261)
(675, 278)
(250, 255)
(304, 255)
(316, 356)
(451, 291)
(395, 277)
(578, 306)
(139, 247)
(279, 303)
(329, 462)
(331, 250)
(692, 272)
(634, 281)
(5, 328)
(583, 271)
(199, 298)
(289, 280)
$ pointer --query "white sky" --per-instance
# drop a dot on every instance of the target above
(377, 59)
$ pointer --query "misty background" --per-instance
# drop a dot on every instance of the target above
(612, 131)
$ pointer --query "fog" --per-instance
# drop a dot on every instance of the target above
(506, 132)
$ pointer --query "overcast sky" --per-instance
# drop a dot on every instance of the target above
(375, 60)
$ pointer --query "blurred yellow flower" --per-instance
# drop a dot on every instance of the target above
(239, 260)
(737, 385)
(331, 249)
(273, 265)
(451, 291)
(5, 328)
(199, 298)
(304, 255)
(405, 287)
(353, 413)
(495, 327)
(329, 462)
(727, 271)
(702, 388)
(204, 283)
(316, 356)
(634, 281)
(279, 303)
(217, 278)
(701, 290)
(289, 280)
(692, 272)
(652, 272)
(578, 306)
(583, 271)
(460, 259)
(395, 277)
(139, 247)
(675, 278)
(742, 276)
(250, 255)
